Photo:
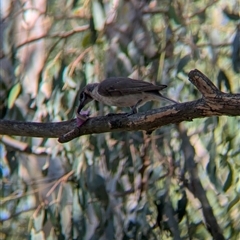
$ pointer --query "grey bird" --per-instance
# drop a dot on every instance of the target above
(121, 92)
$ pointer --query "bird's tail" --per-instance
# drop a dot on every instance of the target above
(169, 99)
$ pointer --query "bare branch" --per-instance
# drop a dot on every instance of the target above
(35, 129)
(213, 103)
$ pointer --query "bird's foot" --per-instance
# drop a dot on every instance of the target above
(134, 108)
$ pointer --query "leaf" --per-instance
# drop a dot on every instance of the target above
(66, 215)
(202, 17)
(211, 171)
(236, 51)
(89, 72)
(231, 14)
(222, 78)
(15, 91)
(231, 204)
(183, 62)
(45, 167)
(37, 235)
(50, 72)
(182, 204)
(86, 41)
(172, 14)
(229, 179)
(98, 15)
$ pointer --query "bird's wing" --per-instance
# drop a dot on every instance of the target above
(124, 86)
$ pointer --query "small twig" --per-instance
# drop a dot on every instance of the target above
(220, 45)
(56, 35)
(15, 194)
(73, 65)
(62, 179)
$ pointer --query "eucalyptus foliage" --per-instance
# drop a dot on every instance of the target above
(125, 185)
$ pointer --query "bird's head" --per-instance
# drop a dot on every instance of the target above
(86, 95)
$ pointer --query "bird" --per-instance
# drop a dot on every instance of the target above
(121, 92)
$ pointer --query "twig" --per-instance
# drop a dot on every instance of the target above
(56, 35)
(73, 65)
(62, 179)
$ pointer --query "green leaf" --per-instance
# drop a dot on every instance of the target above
(211, 171)
(223, 79)
(15, 91)
(236, 52)
(38, 220)
(98, 15)
(232, 15)
(232, 203)
(173, 15)
(229, 179)
(86, 41)
(182, 204)
(183, 62)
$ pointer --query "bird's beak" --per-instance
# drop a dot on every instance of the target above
(84, 100)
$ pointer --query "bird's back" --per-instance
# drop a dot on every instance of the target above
(121, 86)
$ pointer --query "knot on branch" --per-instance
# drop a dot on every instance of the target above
(203, 84)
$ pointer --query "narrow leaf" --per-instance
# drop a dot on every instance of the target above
(15, 91)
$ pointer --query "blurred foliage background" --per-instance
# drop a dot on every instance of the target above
(126, 185)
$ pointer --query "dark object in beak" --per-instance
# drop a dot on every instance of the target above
(82, 117)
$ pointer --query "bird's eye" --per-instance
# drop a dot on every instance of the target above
(82, 97)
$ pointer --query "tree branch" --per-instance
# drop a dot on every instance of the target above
(213, 103)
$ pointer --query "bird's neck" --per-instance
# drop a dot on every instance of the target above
(94, 94)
